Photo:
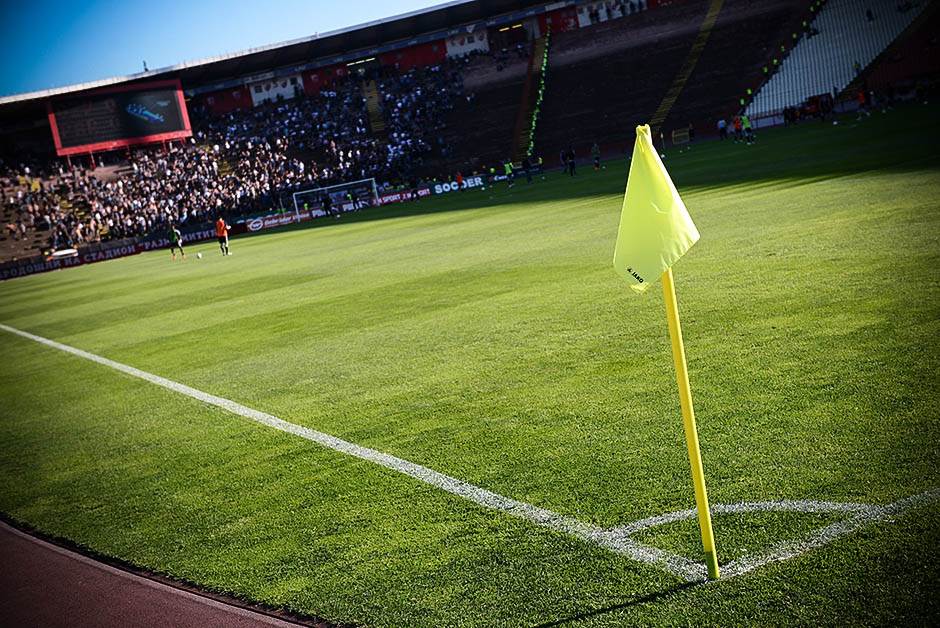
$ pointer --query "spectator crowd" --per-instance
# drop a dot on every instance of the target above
(242, 162)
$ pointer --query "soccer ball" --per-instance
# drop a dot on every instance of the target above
(198, 255)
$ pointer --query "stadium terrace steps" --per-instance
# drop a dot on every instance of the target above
(370, 92)
(482, 72)
(23, 247)
(913, 55)
(607, 79)
(846, 43)
(529, 94)
(723, 74)
(479, 131)
(688, 66)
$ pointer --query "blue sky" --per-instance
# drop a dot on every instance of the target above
(48, 43)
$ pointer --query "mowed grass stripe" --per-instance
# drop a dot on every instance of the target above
(809, 306)
(677, 565)
(197, 493)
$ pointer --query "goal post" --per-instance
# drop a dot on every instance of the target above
(346, 197)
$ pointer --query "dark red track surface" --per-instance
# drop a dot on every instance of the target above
(42, 584)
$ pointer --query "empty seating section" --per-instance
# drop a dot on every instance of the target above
(845, 37)
(478, 130)
(481, 130)
(604, 80)
(913, 58)
(723, 73)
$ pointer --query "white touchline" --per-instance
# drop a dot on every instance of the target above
(616, 539)
(677, 565)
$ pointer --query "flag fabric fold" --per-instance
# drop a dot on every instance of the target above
(655, 226)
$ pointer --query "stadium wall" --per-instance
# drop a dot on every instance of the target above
(422, 55)
(285, 87)
(466, 43)
(559, 21)
(318, 80)
(227, 100)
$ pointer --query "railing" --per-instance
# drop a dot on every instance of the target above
(530, 148)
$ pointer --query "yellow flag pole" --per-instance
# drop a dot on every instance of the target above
(688, 420)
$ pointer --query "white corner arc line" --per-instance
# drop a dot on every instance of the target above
(806, 506)
(677, 565)
(616, 539)
(867, 515)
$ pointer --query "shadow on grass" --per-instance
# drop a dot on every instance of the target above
(629, 603)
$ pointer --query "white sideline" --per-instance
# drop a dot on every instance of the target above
(675, 564)
(616, 539)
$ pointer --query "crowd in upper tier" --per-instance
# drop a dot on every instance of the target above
(244, 161)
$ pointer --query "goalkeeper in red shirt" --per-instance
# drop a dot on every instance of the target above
(221, 232)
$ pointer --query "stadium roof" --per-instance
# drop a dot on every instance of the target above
(402, 27)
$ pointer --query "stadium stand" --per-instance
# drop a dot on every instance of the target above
(911, 59)
(606, 79)
(242, 162)
(845, 37)
(409, 118)
(722, 72)
(415, 105)
(479, 129)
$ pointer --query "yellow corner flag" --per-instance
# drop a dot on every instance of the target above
(655, 227)
(655, 231)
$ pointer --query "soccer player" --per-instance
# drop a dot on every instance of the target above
(176, 242)
(221, 232)
(596, 156)
(327, 205)
(507, 167)
(748, 132)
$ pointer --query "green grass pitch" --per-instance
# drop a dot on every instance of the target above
(486, 336)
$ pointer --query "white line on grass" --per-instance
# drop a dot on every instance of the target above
(857, 516)
(614, 539)
(867, 515)
(675, 564)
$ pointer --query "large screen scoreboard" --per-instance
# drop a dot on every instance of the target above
(121, 116)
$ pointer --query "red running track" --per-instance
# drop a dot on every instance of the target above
(42, 584)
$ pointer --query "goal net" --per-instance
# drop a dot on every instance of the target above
(343, 197)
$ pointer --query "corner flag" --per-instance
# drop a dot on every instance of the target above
(655, 231)
(655, 227)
